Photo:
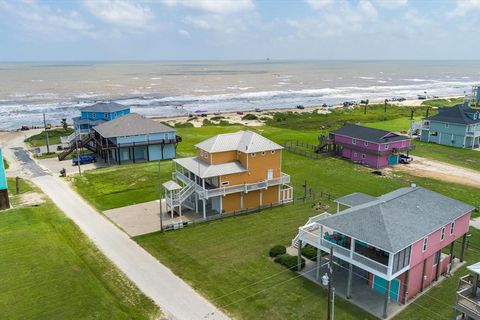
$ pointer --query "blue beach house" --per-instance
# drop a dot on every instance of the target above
(98, 113)
(458, 126)
(133, 138)
(4, 203)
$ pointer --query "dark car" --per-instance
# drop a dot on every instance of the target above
(258, 110)
(300, 107)
(239, 112)
(84, 159)
(403, 158)
(24, 128)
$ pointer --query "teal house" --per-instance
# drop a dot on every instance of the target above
(98, 113)
(458, 126)
(4, 203)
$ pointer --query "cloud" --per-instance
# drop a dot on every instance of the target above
(391, 4)
(320, 4)
(214, 6)
(462, 7)
(41, 19)
(122, 13)
(184, 33)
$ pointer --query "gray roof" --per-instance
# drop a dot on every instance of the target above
(457, 114)
(368, 134)
(206, 170)
(398, 219)
(171, 185)
(355, 199)
(244, 141)
(105, 107)
(130, 125)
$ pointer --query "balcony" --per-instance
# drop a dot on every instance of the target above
(467, 299)
(212, 191)
(364, 256)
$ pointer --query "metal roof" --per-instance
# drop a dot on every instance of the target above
(205, 170)
(368, 134)
(244, 141)
(399, 218)
(475, 268)
(355, 199)
(456, 114)
(105, 107)
(130, 125)
(171, 185)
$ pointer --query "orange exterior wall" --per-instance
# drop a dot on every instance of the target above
(251, 200)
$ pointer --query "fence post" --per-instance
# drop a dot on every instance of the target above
(17, 185)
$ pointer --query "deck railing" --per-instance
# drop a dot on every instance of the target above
(208, 193)
(370, 263)
(465, 300)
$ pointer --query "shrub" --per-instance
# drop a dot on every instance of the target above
(289, 261)
(309, 252)
(217, 118)
(207, 122)
(183, 125)
(192, 118)
(277, 250)
(249, 116)
(224, 123)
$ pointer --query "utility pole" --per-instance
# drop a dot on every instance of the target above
(46, 133)
(331, 292)
(385, 107)
(160, 197)
(78, 155)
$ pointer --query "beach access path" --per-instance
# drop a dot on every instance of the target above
(175, 297)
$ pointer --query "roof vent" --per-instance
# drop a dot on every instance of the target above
(413, 185)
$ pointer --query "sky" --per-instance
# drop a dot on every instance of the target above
(105, 30)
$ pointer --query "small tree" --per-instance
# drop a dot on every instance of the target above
(64, 124)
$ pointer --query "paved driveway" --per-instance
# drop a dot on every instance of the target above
(176, 299)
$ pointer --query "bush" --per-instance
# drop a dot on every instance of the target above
(183, 125)
(309, 252)
(249, 116)
(277, 250)
(207, 122)
(289, 261)
(217, 118)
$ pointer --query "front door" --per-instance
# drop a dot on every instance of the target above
(270, 174)
(380, 285)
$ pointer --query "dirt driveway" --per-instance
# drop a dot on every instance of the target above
(422, 167)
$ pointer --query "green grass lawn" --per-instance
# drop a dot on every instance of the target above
(457, 156)
(220, 257)
(449, 102)
(50, 270)
(395, 125)
(53, 137)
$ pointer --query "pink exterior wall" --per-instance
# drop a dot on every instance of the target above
(371, 160)
(434, 244)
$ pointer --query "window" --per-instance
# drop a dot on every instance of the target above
(273, 151)
(225, 183)
(424, 248)
(94, 115)
(386, 146)
(253, 154)
(366, 143)
(452, 228)
(446, 125)
(442, 235)
(105, 115)
(205, 154)
(436, 258)
(434, 133)
(263, 153)
(354, 141)
(364, 156)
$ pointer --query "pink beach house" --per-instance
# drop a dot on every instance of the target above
(371, 147)
(396, 244)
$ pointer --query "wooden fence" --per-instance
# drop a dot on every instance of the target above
(303, 148)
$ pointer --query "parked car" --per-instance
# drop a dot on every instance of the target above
(84, 159)
(403, 158)
(258, 110)
(301, 107)
(24, 128)
(239, 112)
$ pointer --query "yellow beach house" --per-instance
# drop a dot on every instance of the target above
(231, 172)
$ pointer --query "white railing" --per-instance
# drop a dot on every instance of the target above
(286, 194)
(336, 248)
(370, 263)
(464, 299)
(208, 193)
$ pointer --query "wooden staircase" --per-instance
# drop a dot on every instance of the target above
(85, 143)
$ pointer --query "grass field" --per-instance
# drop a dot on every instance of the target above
(395, 125)
(50, 270)
(449, 102)
(219, 258)
(53, 137)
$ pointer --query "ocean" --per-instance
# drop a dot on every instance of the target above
(27, 90)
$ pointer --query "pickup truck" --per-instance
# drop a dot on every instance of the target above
(84, 159)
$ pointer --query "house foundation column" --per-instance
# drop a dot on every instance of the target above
(437, 269)
(196, 203)
(349, 283)
(385, 303)
(464, 243)
(319, 264)
(422, 285)
(204, 210)
(452, 245)
(405, 284)
(299, 255)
